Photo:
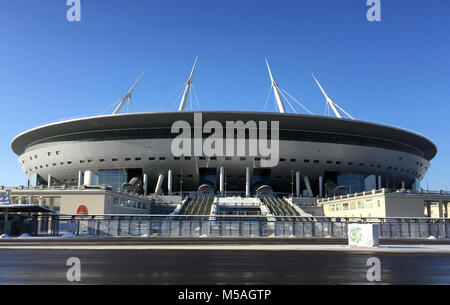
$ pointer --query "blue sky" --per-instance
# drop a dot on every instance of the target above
(396, 71)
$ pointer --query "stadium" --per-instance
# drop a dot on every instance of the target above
(319, 156)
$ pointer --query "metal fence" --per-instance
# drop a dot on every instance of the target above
(232, 226)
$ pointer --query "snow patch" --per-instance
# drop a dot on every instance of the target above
(4, 236)
(25, 235)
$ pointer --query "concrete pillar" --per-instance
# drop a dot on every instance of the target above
(90, 178)
(320, 187)
(403, 185)
(49, 181)
(169, 182)
(379, 183)
(247, 182)
(441, 209)
(428, 208)
(308, 186)
(41, 201)
(5, 223)
(446, 215)
(297, 184)
(416, 185)
(145, 184)
(158, 188)
(222, 181)
(80, 178)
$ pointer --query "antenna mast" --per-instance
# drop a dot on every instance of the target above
(188, 87)
(276, 91)
(332, 104)
(127, 96)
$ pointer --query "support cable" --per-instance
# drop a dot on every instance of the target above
(297, 101)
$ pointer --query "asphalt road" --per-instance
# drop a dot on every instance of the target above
(207, 267)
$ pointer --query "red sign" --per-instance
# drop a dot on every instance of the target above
(82, 210)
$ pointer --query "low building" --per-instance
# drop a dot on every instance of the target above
(386, 203)
(94, 200)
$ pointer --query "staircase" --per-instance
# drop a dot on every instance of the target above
(279, 207)
(198, 206)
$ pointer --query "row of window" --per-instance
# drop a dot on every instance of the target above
(354, 205)
(228, 159)
(287, 135)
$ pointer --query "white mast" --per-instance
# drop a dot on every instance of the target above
(332, 104)
(127, 96)
(188, 87)
(276, 91)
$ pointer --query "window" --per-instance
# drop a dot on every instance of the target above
(316, 161)
(151, 159)
(360, 204)
(127, 159)
(102, 160)
(306, 161)
(338, 162)
(114, 160)
(162, 158)
(137, 159)
(228, 158)
(282, 160)
(81, 161)
(242, 158)
(293, 160)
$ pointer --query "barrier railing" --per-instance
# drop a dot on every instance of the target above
(231, 226)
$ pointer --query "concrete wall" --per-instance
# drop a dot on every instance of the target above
(404, 207)
(95, 203)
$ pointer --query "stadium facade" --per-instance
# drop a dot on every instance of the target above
(318, 156)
